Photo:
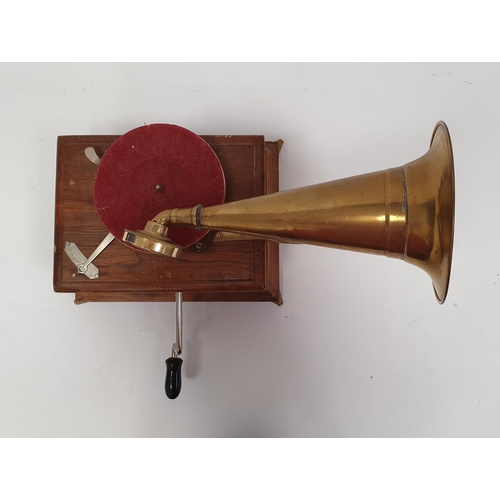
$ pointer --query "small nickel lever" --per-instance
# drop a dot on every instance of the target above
(92, 155)
(173, 378)
(82, 268)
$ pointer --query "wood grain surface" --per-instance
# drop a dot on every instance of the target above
(225, 271)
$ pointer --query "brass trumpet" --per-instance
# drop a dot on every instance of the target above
(404, 212)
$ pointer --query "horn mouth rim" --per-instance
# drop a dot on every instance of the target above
(446, 237)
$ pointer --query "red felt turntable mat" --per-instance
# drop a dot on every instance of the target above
(154, 168)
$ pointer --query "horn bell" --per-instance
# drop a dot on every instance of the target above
(430, 182)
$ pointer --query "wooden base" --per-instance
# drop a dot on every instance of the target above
(224, 271)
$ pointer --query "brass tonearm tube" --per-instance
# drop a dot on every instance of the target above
(405, 212)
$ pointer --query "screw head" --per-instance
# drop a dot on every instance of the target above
(200, 246)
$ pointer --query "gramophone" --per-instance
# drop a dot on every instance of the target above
(162, 192)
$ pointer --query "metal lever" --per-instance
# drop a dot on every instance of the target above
(92, 155)
(82, 268)
(173, 379)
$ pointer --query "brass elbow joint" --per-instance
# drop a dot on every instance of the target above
(180, 217)
(153, 237)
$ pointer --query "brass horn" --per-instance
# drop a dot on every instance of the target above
(405, 212)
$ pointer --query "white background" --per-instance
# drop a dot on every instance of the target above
(360, 347)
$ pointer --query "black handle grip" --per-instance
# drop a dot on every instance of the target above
(173, 379)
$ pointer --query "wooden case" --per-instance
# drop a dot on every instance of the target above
(225, 271)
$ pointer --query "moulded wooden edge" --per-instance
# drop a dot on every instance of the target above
(241, 296)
